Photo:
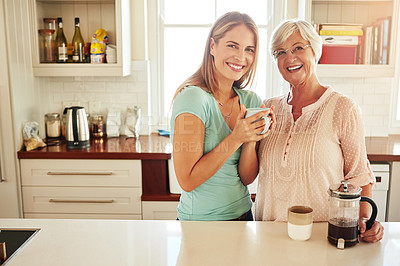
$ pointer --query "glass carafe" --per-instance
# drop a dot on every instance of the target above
(344, 208)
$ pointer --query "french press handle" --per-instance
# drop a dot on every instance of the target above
(371, 220)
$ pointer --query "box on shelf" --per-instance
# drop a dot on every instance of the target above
(339, 54)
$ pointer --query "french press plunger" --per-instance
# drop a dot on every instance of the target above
(344, 208)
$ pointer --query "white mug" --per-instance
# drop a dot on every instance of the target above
(300, 220)
(253, 111)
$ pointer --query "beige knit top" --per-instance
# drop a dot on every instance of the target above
(300, 160)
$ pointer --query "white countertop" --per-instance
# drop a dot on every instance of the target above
(111, 242)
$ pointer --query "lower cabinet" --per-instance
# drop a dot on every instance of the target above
(159, 210)
(81, 189)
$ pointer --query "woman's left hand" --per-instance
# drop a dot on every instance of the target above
(372, 235)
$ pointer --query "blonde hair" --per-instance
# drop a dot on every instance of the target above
(286, 28)
(204, 77)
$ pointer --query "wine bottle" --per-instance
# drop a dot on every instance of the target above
(61, 44)
(78, 54)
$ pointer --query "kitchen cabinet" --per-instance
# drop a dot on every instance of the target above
(97, 189)
(111, 15)
(160, 210)
(360, 12)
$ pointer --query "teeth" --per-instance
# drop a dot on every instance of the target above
(293, 68)
(236, 66)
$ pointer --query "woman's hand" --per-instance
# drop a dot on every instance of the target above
(374, 234)
(247, 130)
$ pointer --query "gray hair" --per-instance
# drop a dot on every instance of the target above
(286, 28)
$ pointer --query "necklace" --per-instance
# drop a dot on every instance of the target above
(228, 116)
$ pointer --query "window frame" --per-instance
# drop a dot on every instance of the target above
(275, 85)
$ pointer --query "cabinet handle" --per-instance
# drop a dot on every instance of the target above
(80, 201)
(79, 173)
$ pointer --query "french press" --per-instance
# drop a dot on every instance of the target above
(344, 208)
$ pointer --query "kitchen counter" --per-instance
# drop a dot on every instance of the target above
(145, 147)
(159, 147)
(111, 242)
(385, 149)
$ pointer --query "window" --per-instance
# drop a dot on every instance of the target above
(178, 30)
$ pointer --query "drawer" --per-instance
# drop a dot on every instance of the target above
(102, 173)
(82, 216)
(82, 200)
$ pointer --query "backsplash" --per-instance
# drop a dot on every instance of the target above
(97, 94)
(374, 97)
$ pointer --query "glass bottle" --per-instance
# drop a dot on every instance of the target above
(61, 44)
(78, 54)
(46, 46)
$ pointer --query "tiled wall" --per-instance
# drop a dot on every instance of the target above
(374, 97)
(99, 93)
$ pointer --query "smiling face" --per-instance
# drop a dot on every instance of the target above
(298, 64)
(233, 54)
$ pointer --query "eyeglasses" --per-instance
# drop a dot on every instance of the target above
(296, 50)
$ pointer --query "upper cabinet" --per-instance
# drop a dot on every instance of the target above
(365, 12)
(110, 15)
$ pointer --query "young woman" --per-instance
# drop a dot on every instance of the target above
(214, 147)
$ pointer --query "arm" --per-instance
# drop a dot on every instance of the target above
(356, 166)
(248, 162)
(191, 166)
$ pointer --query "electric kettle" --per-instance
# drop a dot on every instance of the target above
(76, 129)
(344, 209)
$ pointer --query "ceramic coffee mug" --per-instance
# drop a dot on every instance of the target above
(253, 111)
(300, 219)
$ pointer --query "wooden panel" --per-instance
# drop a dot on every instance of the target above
(334, 13)
(109, 173)
(154, 177)
(348, 13)
(82, 200)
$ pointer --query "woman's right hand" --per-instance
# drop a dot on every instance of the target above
(246, 130)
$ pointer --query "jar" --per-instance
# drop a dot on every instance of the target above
(97, 126)
(52, 124)
(47, 46)
(50, 24)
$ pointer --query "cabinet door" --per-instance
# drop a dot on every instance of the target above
(364, 12)
(113, 16)
(82, 200)
(102, 173)
(160, 210)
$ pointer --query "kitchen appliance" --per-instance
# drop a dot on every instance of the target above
(13, 240)
(381, 187)
(344, 208)
(77, 129)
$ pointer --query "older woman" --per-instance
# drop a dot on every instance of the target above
(318, 139)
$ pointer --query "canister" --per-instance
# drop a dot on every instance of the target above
(97, 126)
(47, 46)
(52, 125)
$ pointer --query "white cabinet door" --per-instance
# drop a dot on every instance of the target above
(160, 210)
(103, 173)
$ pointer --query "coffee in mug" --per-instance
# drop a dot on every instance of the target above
(300, 219)
(253, 111)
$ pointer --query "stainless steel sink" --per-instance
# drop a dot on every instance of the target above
(15, 240)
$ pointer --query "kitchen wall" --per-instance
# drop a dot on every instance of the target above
(97, 94)
(372, 94)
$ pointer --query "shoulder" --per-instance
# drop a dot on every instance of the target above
(193, 91)
(275, 100)
(344, 102)
(249, 98)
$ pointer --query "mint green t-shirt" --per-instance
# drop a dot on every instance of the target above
(223, 196)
